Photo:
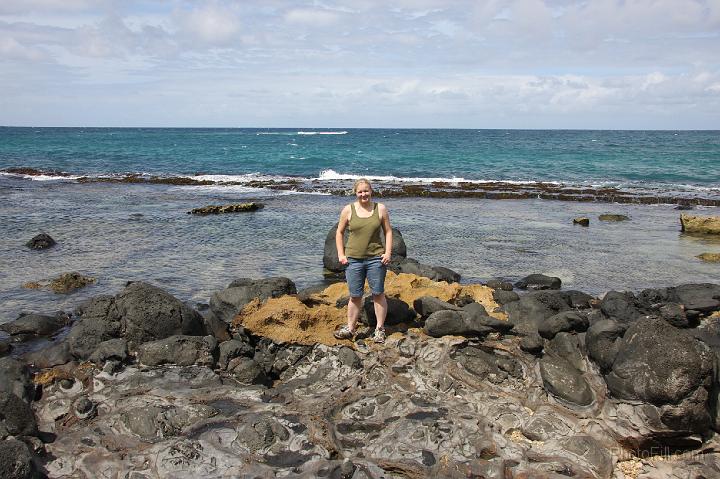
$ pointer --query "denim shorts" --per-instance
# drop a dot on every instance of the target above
(371, 268)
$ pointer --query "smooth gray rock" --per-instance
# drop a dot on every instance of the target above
(544, 427)
(534, 308)
(488, 367)
(565, 321)
(16, 461)
(218, 328)
(110, 350)
(35, 325)
(446, 322)
(413, 266)
(569, 347)
(427, 305)
(591, 451)
(15, 378)
(539, 282)
(226, 304)
(233, 349)
(181, 350)
(41, 241)
(601, 341)
(148, 313)
(564, 381)
(16, 417)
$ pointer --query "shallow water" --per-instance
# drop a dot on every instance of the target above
(118, 233)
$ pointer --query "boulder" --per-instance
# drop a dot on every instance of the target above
(226, 304)
(499, 284)
(330, 255)
(110, 350)
(700, 224)
(41, 241)
(69, 282)
(218, 328)
(534, 308)
(427, 305)
(16, 416)
(622, 307)
(601, 341)
(348, 357)
(35, 324)
(462, 323)
(703, 297)
(87, 333)
(564, 381)
(16, 461)
(613, 217)
(565, 321)
(180, 350)
(668, 368)
(539, 282)
(397, 312)
(148, 313)
(15, 378)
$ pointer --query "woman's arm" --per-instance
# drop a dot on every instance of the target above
(339, 234)
(385, 221)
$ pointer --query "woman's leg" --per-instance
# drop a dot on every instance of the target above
(354, 306)
(380, 303)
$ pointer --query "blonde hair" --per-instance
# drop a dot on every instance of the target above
(361, 181)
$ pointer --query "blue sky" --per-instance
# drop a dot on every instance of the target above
(642, 64)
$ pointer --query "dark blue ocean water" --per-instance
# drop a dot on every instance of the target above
(117, 232)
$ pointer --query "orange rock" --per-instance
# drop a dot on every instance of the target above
(287, 320)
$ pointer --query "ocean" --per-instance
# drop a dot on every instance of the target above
(485, 203)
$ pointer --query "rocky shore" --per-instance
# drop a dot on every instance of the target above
(473, 381)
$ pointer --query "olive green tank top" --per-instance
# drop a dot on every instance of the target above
(364, 240)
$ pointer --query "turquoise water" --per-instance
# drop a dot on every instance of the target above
(670, 160)
(118, 232)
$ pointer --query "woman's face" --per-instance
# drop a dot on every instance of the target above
(363, 192)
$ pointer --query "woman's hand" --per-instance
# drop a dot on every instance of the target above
(385, 259)
(343, 259)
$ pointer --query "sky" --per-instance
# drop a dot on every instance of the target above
(633, 64)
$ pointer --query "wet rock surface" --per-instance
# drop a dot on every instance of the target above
(624, 390)
(231, 208)
(700, 224)
(41, 241)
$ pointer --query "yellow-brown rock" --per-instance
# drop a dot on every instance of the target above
(710, 257)
(287, 320)
(700, 224)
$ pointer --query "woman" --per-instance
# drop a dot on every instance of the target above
(364, 256)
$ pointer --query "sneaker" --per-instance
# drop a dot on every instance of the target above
(379, 335)
(344, 333)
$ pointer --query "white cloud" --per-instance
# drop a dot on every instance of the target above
(311, 17)
(213, 24)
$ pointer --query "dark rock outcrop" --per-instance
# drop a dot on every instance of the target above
(180, 350)
(69, 282)
(231, 208)
(412, 266)
(613, 217)
(16, 417)
(397, 312)
(15, 378)
(41, 241)
(226, 304)
(16, 461)
(330, 255)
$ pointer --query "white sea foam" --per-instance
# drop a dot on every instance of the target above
(41, 177)
(333, 175)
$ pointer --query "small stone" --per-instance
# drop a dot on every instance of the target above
(613, 217)
(83, 405)
(41, 241)
(66, 383)
(582, 221)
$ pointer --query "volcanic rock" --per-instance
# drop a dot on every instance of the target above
(35, 324)
(41, 241)
(582, 221)
(180, 350)
(69, 282)
(231, 208)
(539, 282)
(613, 217)
(226, 304)
(700, 224)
